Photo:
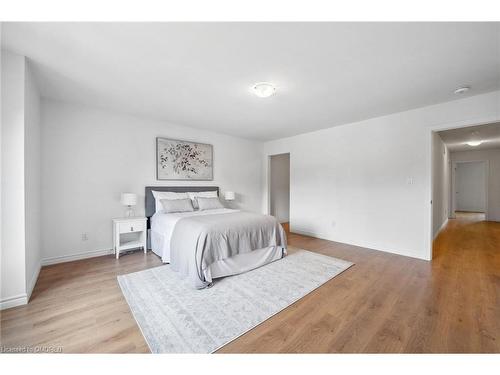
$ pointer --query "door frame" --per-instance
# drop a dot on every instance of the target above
(453, 184)
(490, 119)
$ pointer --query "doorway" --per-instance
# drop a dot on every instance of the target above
(279, 188)
(470, 190)
(464, 171)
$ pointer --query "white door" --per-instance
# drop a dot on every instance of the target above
(470, 186)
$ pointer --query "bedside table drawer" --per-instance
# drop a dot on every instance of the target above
(136, 226)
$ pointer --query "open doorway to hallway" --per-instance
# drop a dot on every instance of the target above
(465, 178)
(279, 188)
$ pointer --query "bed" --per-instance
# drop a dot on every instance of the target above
(204, 245)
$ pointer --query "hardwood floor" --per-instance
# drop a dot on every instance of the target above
(78, 306)
(385, 303)
(286, 227)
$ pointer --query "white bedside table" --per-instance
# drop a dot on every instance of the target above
(134, 229)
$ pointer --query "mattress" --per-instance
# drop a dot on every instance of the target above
(228, 236)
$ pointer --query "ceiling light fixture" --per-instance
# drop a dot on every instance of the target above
(461, 90)
(474, 143)
(263, 89)
(475, 140)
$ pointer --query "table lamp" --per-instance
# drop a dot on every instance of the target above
(129, 200)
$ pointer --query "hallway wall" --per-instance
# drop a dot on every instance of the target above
(440, 184)
(280, 187)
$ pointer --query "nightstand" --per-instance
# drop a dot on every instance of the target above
(129, 233)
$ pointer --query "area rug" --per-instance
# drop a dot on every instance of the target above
(176, 318)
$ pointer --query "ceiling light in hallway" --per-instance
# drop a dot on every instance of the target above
(475, 140)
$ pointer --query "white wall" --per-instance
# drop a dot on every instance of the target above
(32, 179)
(1, 174)
(280, 187)
(493, 158)
(13, 280)
(440, 183)
(369, 183)
(90, 156)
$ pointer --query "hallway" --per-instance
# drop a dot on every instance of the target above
(466, 264)
(468, 237)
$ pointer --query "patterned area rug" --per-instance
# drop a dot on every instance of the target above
(176, 318)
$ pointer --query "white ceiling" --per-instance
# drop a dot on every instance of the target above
(199, 74)
(456, 139)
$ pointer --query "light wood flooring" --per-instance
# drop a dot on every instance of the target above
(384, 304)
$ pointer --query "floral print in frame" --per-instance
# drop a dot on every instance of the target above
(183, 160)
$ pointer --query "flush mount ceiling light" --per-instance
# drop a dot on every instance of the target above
(474, 143)
(475, 140)
(263, 89)
(461, 90)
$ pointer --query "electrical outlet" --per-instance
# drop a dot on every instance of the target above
(85, 236)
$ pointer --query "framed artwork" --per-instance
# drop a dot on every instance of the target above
(183, 160)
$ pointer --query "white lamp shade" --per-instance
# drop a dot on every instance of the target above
(129, 199)
(229, 195)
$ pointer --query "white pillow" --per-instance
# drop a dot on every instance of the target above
(201, 194)
(177, 205)
(209, 203)
(159, 195)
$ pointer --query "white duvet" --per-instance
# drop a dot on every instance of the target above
(163, 224)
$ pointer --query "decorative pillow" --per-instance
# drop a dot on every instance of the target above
(159, 195)
(201, 194)
(209, 203)
(177, 205)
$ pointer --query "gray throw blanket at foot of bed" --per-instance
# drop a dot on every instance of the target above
(198, 241)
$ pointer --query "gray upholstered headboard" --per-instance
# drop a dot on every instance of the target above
(150, 200)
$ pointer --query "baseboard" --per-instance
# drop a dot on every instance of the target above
(322, 236)
(33, 280)
(21, 299)
(440, 228)
(310, 234)
(7, 303)
(78, 256)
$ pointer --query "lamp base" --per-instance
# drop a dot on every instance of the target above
(129, 212)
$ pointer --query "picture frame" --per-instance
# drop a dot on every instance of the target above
(183, 160)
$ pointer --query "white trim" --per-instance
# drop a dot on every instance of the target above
(7, 303)
(33, 280)
(21, 299)
(322, 236)
(431, 191)
(441, 228)
(78, 256)
(484, 120)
